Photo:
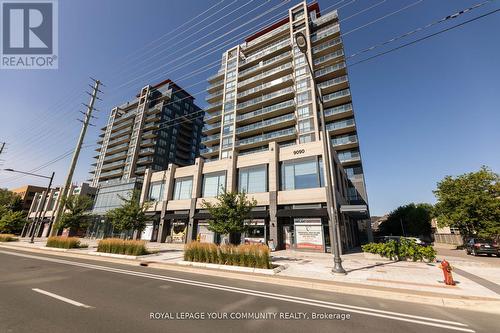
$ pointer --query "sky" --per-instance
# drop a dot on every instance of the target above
(423, 112)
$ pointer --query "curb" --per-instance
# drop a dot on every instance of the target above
(471, 303)
(241, 269)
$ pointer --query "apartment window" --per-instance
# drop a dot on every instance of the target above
(213, 184)
(303, 97)
(230, 85)
(300, 60)
(301, 174)
(227, 142)
(303, 84)
(155, 191)
(253, 179)
(228, 117)
(230, 75)
(306, 138)
(304, 111)
(228, 129)
(230, 95)
(305, 125)
(183, 188)
(300, 71)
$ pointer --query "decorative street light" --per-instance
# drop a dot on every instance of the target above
(39, 215)
(301, 41)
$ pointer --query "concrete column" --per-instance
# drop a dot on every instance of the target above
(273, 178)
(197, 184)
(145, 186)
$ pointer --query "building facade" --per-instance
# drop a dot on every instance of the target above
(27, 194)
(162, 125)
(45, 215)
(263, 135)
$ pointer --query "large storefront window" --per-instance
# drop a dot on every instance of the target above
(253, 179)
(156, 191)
(307, 173)
(213, 184)
(183, 188)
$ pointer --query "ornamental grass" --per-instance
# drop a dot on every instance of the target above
(63, 242)
(248, 255)
(8, 238)
(121, 246)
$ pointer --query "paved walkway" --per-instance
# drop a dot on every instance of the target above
(475, 279)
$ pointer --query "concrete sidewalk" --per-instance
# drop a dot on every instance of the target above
(408, 281)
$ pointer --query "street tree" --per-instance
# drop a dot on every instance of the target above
(470, 202)
(131, 216)
(12, 222)
(409, 220)
(228, 214)
(75, 215)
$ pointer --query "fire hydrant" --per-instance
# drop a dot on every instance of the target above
(448, 277)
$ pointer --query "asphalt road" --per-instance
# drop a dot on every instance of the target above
(446, 253)
(41, 293)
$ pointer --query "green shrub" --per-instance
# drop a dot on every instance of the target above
(242, 255)
(403, 250)
(121, 246)
(63, 242)
(8, 238)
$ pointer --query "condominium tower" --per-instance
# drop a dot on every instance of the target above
(263, 135)
(161, 125)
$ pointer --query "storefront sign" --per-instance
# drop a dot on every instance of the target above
(205, 235)
(309, 234)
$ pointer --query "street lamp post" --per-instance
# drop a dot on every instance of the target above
(39, 215)
(301, 41)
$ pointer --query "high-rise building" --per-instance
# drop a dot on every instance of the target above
(263, 135)
(142, 134)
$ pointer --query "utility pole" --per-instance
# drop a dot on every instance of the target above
(74, 159)
(1, 148)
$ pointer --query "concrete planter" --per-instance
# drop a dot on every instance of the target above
(373, 256)
(122, 256)
(271, 271)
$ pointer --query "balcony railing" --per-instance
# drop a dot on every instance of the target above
(213, 106)
(211, 115)
(264, 98)
(216, 94)
(215, 84)
(266, 109)
(329, 56)
(343, 140)
(208, 127)
(323, 33)
(329, 69)
(147, 159)
(111, 173)
(340, 124)
(148, 150)
(265, 123)
(209, 150)
(338, 109)
(333, 82)
(265, 63)
(219, 73)
(349, 156)
(122, 154)
(265, 74)
(336, 95)
(210, 138)
(325, 18)
(267, 136)
(270, 49)
(120, 132)
(148, 142)
(112, 149)
(265, 85)
(324, 46)
(267, 35)
(111, 165)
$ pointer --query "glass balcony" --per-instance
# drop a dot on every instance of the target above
(265, 85)
(144, 160)
(267, 109)
(264, 98)
(214, 137)
(117, 148)
(215, 86)
(323, 33)
(325, 18)
(214, 106)
(324, 46)
(148, 134)
(209, 150)
(214, 95)
(106, 166)
(338, 109)
(145, 151)
(344, 140)
(336, 95)
(121, 132)
(329, 56)
(349, 156)
(264, 64)
(216, 75)
(208, 127)
(122, 154)
(266, 123)
(333, 82)
(265, 74)
(266, 136)
(268, 50)
(111, 173)
(271, 33)
(148, 142)
(336, 125)
(209, 116)
(329, 69)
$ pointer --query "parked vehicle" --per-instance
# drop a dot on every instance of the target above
(477, 246)
(419, 241)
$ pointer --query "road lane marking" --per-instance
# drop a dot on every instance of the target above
(61, 298)
(293, 299)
